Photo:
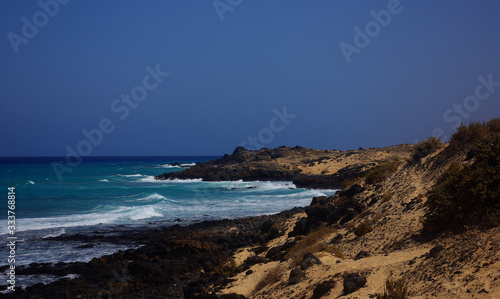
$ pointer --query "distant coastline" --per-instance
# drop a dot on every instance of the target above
(306, 168)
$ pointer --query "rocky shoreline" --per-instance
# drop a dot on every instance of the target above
(172, 262)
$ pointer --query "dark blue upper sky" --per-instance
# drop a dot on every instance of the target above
(231, 70)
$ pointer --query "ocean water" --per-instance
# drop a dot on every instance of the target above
(112, 193)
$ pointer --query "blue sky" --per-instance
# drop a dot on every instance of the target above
(231, 70)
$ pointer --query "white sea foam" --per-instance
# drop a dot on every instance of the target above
(30, 182)
(249, 185)
(120, 214)
(152, 197)
(184, 165)
(184, 181)
(104, 180)
(188, 164)
(144, 213)
(276, 185)
(151, 179)
(72, 276)
(168, 166)
(132, 175)
(185, 199)
(55, 234)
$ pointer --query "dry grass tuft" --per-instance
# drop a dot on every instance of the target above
(228, 267)
(363, 228)
(394, 289)
(313, 243)
(272, 276)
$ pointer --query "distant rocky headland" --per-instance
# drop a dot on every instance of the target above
(307, 168)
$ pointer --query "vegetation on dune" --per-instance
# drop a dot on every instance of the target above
(363, 228)
(474, 132)
(313, 243)
(381, 172)
(425, 148)
(470, 194)
(394, 289)
(227, 266)
(272, 276)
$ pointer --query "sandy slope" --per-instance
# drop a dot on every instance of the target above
(468, 266)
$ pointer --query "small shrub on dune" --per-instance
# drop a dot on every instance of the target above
(227, 266)
(470, 134)
(394, 289)
(467, 195)
(272, 276)
(363, 228)
(425, 148)
(381, 172)
(313, 243)
(494, 125)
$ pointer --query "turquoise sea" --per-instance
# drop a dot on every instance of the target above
(112, 193)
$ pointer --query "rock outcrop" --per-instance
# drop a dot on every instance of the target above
(307, 168)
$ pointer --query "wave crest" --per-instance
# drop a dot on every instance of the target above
(154, 196)
(131, 175)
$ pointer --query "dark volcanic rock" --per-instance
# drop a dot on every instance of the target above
(318, 182)
(249, 165)
(296, 275)
(434, 252)
(353, 190)
(336, 240)
(300, 228)
(331, 211)
(169, 265)
(353, 282)
(362, 254)
(241, 164)
(332, 181)
(309, 260)
(322, 289)
(238, 150)
(270, 230)
(278, 253)
(226, 173)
